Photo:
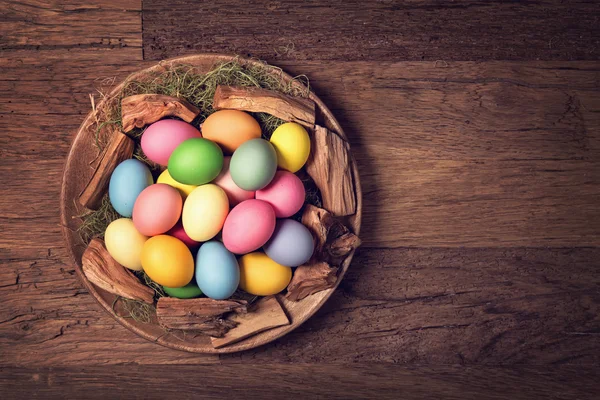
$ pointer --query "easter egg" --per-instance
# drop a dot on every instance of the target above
(162, 137)
(285, 194)
(157, 209)
(188, 291)
(217, 271)
(196, 161)
(167, 261)
(183, 189)
(248, 226)
(235, 194)
(253, 164)
(261, 276)
(204, 212)
(292, 145)
(291, 243)
(124, 243)
(126, 183)
(178, 232)
(230, 128)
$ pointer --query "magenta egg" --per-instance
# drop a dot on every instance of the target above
(157, 209)
(162, 137)
(248, 226)
(235, 194)
(178, 232)
(285, 194)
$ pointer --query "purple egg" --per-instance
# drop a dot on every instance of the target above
(291, 243)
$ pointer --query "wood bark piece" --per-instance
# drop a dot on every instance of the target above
(330, 167)
(287, 108)
(203, 315)
(265, 314)
(318, 221)
(143, 109)
(119, 148)
(311, 278)
(103, 271)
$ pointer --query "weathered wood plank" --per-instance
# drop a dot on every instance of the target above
(355, 381)
(384, 30)
(454, 306)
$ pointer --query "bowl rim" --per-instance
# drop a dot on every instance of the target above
(245, 344)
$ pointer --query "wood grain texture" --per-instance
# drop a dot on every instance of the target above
(383, 30)
(357, 381)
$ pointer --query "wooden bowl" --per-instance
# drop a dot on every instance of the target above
(78, 172)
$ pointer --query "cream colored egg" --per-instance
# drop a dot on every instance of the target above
(124, 243)
(204, 212)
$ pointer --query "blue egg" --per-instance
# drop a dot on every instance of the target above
(291, 243)
(217, 270)
(126, 183)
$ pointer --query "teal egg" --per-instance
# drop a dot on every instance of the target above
(196, 161)
(253, 164)
(188, 291)
(217, 270)
(127, 181)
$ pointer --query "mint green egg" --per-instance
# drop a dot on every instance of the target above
(188, 291)
(253, 164)
(196, 161)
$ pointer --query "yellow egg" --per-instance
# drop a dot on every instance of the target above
(167, 261)
(292, 146)
(124, 243)
(204, 212)
(261, 276)
(183, 189)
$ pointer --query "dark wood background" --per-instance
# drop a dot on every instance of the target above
(476, 127)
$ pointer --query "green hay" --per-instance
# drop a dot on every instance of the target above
(94, 222)
(134, 309)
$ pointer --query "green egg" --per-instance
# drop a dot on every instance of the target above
(188, 291)
(253, 164)
(196, 161)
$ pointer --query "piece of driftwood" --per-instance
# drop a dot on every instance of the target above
(119, 148)
(311, 278)
(318, 221)
(287, 108)
(143, 109)
(265, 314)
(102, 270)
(330, 167)
(204, 315)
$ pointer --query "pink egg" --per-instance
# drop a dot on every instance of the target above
(157, 209)
(162, 137)
(285, 194)
(234, 193)
(178, 232)
(248, 226)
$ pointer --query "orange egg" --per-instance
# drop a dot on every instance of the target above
(230, 128)
(167, 261)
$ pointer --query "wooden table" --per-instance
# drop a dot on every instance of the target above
(476, 127)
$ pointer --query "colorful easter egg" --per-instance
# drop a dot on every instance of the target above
(253, 164)
(204, 212)
(261, 276)
(162, 137)
(217, 271)
(291, 243)
(126, 183)
(196, 161)
(188, 291)
(183, 189)
(230, 128)
(157, 209)
(235, 194)
(248, 226)
(285, 194)
(167, 261)
(178, 232)
(124, 243)
(292, 145)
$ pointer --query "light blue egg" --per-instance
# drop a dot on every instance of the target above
(126, 183)
(291, 243)
(217, 270)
